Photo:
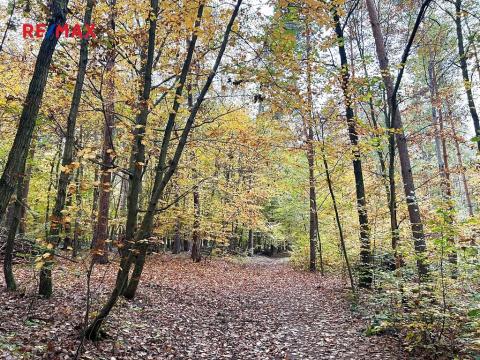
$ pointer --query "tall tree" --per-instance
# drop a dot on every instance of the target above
(57, 218)
(12, 232)
(397, 132)
(442, 155)
(100, 234)
(308, 130)
(23, 137)
(196, 241)
(366, 278)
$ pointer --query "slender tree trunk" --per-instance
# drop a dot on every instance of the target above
(442, 157)
(464, 67)
(383, 168)
(94, 213)
(77, 230)
(308, 129)
(8, 26)
(437, 123)
(397, 125)
(366, 278)
(196, 244)
(100, 252)
(462, 169)
(78, 201)
(320, 249)
(50, 185)
(21, 143)
(177, 241)
(22, 227)
(251, 244)
(312, 201)
(137, 157)
(12, 232)
(57, 218)
(337, 219)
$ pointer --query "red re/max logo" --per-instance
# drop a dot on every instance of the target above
(40, 30)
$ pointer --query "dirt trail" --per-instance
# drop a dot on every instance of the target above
(253, 309)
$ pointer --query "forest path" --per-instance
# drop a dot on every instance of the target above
(220, 309)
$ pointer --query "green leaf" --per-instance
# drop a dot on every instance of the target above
(474, 313)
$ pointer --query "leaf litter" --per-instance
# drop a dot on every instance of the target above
(220, 309)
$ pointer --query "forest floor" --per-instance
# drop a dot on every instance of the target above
(220, 309)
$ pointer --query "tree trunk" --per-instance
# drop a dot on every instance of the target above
(94, 213)
(50, 185)
(465, 75)
(23, 137)
(397, 125)
(12, 231)
(312, 201)
(395, 235)
(337, 218)
(365, 278)
(462, 168)
(442, 157)
(22, 227)
(137, 161)
(78, 201)
(308, 129)
(251, 244)
(177, 241)
(100, 252)
(196, 244)
(57, 218)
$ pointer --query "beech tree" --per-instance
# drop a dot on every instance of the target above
(57, 219)
(23, 137)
